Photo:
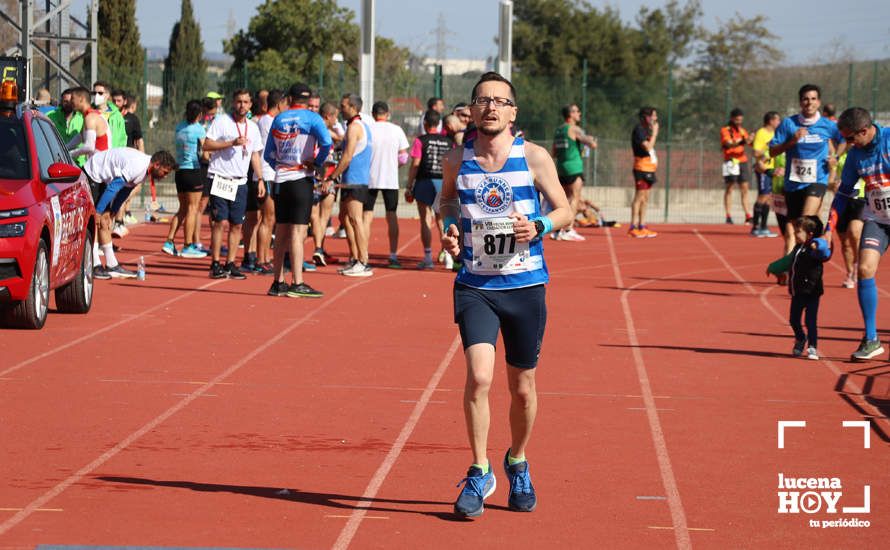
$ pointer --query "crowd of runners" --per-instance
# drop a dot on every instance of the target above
(270, 167)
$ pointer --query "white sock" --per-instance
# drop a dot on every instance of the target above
(428, 255)
(96, 261)
(110, 260)
(392, 256)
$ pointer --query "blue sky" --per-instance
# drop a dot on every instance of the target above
(804, 34)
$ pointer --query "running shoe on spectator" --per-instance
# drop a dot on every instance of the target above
(303, 290)
(522, 494)
(170, 248)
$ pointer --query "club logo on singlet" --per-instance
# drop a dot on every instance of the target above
(494, 195)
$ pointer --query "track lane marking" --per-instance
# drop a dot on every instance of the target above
(361, 507)
(675, 504)
(59, 488)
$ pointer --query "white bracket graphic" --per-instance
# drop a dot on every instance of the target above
(866, 503)
(788, 424)
(866, 429)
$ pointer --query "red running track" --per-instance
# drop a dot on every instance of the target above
(189, 412)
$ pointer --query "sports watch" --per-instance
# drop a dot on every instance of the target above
(539, 228)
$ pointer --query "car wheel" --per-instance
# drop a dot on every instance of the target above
(77, 296)
(31, 312)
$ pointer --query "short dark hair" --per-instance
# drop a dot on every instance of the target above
(854, 119)
(80, 91)
(431, 119)
(379, 108)
(736, 112)
(193, 110)
(646, 111)
(809, 88)
(208, 103)
(274, 98)
(432, 101)
(354, 100)
(328, 108)
(241, 91)
(165, 159)
(118, 92)
(66, 91)
(496, 77)
(828, 109)
(769, 115)
(810, 224)
(102, 83)
(567, 110)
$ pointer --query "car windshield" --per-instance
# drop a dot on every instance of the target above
(13, 150)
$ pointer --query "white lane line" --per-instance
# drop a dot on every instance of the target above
(675, 504)
(133, 437)
(107, 328)
(361, 508)
(763, 300)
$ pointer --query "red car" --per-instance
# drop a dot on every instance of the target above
(46, 219)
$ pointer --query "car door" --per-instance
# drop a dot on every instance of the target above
(62, 202)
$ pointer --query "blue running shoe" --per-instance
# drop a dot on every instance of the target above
(169, 248)
(477, 487)
(522, 494)
(309, 266)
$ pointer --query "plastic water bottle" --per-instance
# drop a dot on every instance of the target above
(148, 215)
(140, 269)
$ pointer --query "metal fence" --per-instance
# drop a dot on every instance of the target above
(690, 185)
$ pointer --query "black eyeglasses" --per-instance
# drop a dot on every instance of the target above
(497, 102)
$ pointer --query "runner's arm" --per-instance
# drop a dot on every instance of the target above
(211, 145)
(849, 177)
(352, 137)
(449, 204)
(323, 139)
(580, 136)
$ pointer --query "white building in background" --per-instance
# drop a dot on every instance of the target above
(154, 95)
(458, 66)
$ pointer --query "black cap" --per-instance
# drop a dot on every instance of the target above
(299, 91)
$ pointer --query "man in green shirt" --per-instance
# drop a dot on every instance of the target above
(68, 122)
(101, 97)
(568, 143)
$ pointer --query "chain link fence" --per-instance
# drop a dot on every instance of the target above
(690, 186)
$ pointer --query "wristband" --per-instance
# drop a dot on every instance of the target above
(548, 224)
(448, 221)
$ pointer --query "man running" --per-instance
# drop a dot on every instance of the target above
(490, 204)
(733, 138)
(113, 174)
(389, 152)
(806, 138)
(642, 142)
(869, 159)
(764, 166)
(290, 151)
(234, 143)
(568, 146)
(355, 167)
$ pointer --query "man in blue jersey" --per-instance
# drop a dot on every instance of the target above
(809, 141)
(290, 151)
(869, 159)
(355, 168)
(493, 218)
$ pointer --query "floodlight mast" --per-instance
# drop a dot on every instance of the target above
(366, 65)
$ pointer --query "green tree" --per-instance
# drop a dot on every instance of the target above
(290, 40)
(627, 64)
(286, 40)
(185, 70)
(726, 73)
(121, 57)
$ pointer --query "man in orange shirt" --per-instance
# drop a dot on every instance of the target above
(733, 139)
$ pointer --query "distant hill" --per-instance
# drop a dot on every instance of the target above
(158, 53)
